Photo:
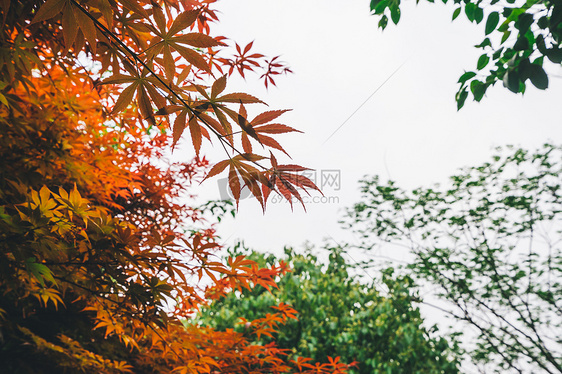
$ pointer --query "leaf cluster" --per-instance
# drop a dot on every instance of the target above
(93, 237)
(160, 56)
(519, 35)
(101, 254)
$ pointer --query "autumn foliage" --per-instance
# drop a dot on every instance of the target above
(100, 256)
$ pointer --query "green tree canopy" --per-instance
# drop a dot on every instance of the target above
(490, 244)
(340, 316)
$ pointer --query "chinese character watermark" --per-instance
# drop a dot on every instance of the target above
(330, 178)
(325, 179)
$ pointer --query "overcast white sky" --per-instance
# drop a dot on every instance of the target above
(408, 131)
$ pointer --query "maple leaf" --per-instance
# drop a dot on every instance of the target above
(168, 40)
(196, 130)
(143, 86)
(285, 179)
(49, 10)
(240, 168)
(216, 103)
(244, 60)
(286, 310)
(274, 67)
(258, 127)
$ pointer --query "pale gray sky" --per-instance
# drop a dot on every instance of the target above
(409, 130)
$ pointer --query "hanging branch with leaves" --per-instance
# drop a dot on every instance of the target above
(152, 54)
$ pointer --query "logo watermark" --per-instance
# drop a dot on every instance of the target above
(328, 180)
(278, 199)
(226, 194)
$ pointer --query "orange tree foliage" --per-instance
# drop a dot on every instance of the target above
(99, 259)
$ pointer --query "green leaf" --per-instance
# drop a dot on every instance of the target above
(466, 76)
(461, 98)
(497, 54)
(456, 13)
(554, 55)
(524, 69)
(539, 61)
(3, 100)
(523, 23)
(506, 35)
(521, 44)
(380, 7)
(504, 26)
(478, 89)
(485, 43)
(543, 22)
(383, 22)
(511, 81)
(39, 271)
(492, 22)
(482, 62)
(478, 14)
(538, 77)
(395, 13)
(469, 11)
(541, 46)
